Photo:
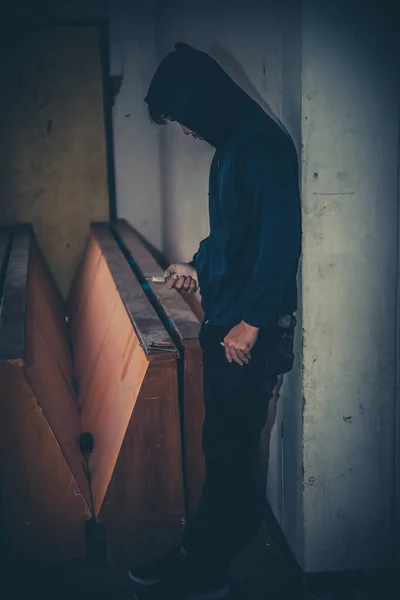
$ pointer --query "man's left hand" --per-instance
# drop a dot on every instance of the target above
(239, 342)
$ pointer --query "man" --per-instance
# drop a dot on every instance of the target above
(246, 272)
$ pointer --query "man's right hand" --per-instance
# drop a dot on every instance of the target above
(182, 277)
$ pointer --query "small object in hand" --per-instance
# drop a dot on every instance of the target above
(157, 279)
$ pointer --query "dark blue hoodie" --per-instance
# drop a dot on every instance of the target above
(247, 265)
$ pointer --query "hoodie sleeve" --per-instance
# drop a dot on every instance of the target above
(269, 181)
(203, 243)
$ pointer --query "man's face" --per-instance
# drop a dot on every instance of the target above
(187, 131)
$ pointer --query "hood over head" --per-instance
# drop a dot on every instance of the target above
(191, 88)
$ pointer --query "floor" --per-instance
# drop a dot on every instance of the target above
(262, 573)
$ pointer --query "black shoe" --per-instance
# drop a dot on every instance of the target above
(185, 587)
(152, 573)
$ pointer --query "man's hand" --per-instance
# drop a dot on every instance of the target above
(182, 277)
(239, 342)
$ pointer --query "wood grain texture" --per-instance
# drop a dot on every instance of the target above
(52, 149)
(181, 317)
(144, 506)
(43, 512)
(82, 284)
(55, 398)
(140, 310)
(193, 419)
(129, 398)
(183, 324)
(46, 306)
(90, 325)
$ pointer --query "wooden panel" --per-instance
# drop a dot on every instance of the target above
(55, 399)
(52, 148)
(44, 305)
(48, 284)
(183, 324)
(193, 418)
(141, 312)
(92, 307)
(43, 512)
(181, 317)
(91, 325)
(129, 406)
(144, 506)
(82, 284)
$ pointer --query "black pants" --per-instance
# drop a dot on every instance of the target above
(236, 402)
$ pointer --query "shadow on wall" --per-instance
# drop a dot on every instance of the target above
(237, 73)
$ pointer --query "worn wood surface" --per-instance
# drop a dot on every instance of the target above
(184, 325)
(144, 507)
(193, 418)
(129, 398)
(42, 509)
(52, 148)
(53, 391)
(44, 304)
(180, 315)
(141, 312)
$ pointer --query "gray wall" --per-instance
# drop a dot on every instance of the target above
(350, 126)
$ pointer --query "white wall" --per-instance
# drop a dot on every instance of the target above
(136, 140)
(350, 126)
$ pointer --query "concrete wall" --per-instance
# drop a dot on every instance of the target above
(350, 126)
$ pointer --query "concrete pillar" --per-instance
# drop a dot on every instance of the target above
(350, 142)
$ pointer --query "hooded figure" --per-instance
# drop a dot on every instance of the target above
(246, 269)
(247, 266)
